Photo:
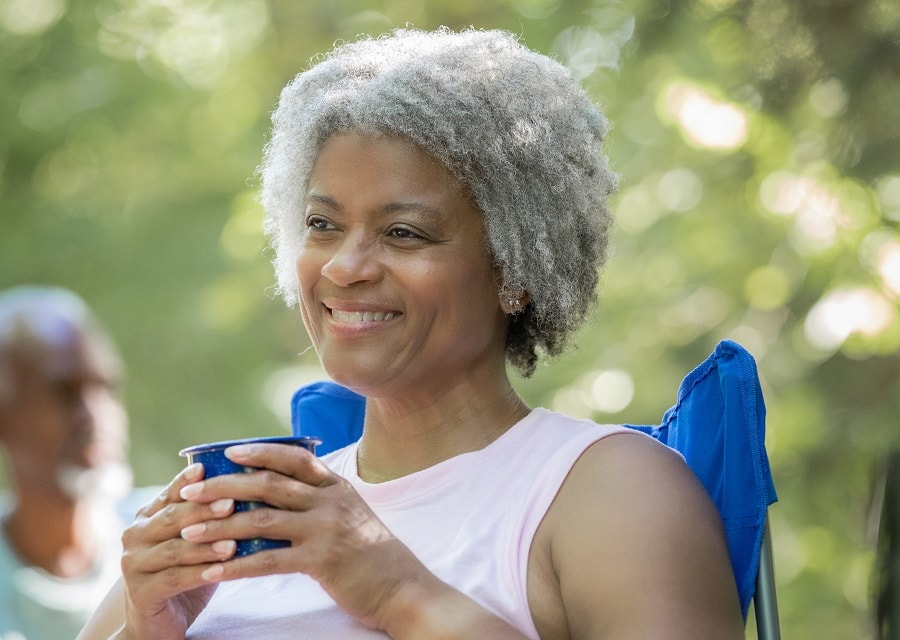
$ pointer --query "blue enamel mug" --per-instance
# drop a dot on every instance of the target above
(212, 457)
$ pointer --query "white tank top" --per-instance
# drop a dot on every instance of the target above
(469, 519)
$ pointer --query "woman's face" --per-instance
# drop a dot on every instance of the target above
(397, 288)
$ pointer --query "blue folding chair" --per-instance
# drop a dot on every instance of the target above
(717, 424)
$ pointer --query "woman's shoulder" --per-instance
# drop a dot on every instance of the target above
(628, 471)
(632, 506)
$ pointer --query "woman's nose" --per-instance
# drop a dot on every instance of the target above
(354, 260)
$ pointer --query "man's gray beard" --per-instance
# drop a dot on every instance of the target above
(110, 482)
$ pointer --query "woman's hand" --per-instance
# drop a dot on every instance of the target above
(164, 587)
(335, 537)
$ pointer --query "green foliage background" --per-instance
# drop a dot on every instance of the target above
(131, 130)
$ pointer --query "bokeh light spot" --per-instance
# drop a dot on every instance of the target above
(888, 189)
(767, 288)
(888, 265)
(584, 50)
(536, 9)
(705, 120)
(30, 17)
(611, 391)
(195, 40)
(817, 210)
(828, 98)
(603, 391)
(847, 311)
(680, 190)
(637, 210)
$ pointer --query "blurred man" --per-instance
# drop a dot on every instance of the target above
(64, 431)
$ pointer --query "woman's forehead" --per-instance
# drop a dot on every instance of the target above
(345, 157)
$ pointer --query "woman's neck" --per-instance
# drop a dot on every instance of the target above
(402, 437)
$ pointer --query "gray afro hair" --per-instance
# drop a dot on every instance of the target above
(511, 124)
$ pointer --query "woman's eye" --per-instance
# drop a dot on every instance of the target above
(404, 234)
(320, 224)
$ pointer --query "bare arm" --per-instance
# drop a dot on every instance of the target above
(639, 549)
(109, 616)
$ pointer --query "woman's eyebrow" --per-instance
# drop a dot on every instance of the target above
(324, 200)
(412, 207)
(389, 208)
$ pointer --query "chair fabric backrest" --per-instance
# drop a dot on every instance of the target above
(717, 424)
(330, 412)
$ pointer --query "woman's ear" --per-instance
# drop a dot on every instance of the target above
(511, 304)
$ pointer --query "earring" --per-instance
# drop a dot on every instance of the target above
(514, 303)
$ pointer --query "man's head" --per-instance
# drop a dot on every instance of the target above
(63, 426)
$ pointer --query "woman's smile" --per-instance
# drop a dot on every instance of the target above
(358, 315)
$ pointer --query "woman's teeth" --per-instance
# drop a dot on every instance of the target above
(361, 316)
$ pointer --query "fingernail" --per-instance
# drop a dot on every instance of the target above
(221, 506)
(191, 491)
(194, 471)
(193, 531)
(213, 573)
(239, 451)
(225, 548)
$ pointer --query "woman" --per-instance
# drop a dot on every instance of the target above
(437, 202)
